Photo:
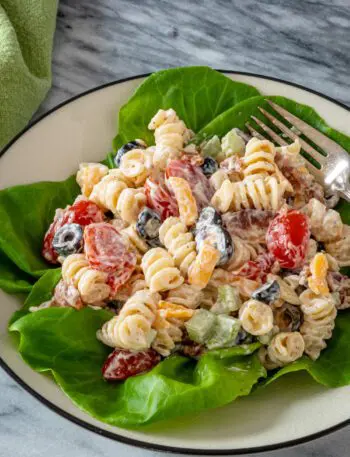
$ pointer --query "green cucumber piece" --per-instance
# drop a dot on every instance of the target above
(212, 148)
(228, 300)
(201, 325)
(225, 332)
(232, 144)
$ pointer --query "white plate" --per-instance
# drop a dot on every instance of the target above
(292, 410)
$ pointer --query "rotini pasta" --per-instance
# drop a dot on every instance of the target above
(160, 271)
(173, 234)
(260, 193)
(340, 249)
(218, 178)
(169, 332)
(319, 316)
(89, 175)
(112, 194)
(136, 165)
(285, 347)
(90, 283)
(242, 253)
(325, 224)
(132, 328)
(256, 317)
(135, 239)
(170, 135)
(187, 295)
(259, 158)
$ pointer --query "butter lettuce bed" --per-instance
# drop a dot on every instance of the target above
(62, 341)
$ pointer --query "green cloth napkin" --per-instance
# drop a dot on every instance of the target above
(26, 35)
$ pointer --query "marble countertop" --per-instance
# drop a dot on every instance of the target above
(97, 41)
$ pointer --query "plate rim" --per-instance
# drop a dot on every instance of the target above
(116, 436)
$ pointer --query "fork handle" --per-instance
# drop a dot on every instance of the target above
(345, 193)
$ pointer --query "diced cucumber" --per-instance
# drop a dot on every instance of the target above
(228, 300)
(212, 147)
(201, 325)
(232, 144)
(225, 332)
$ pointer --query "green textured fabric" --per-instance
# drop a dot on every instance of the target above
(26, 34)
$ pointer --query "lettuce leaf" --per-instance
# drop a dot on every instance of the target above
(197, 94)
(26, 212)
(40, 292)
(63, 342)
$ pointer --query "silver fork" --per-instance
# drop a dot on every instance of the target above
(334, 171)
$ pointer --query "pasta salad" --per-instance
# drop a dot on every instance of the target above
(198, 247)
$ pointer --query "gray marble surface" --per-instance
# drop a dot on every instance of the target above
(97, 41)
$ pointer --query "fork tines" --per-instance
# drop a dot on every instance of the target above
(299, 127)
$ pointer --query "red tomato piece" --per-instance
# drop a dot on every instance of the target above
(287, 238)
(193, 174)
(82, 212)
(125, 269)
(105, 248)
(160, 199)
(122, 364)
(258, 268)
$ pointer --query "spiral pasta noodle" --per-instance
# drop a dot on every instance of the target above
(88, 175)
(132, 328)
(256, 317)
(170, 134)
(260, 193)
(242, 253)
(186, 295)
(169, 324)
(168, 334)
(173, 234)
(90, 283)
(113, 194)
(160, 271)
(217, 178)
(134, 238)
(285, 347)
(340, 249)
(325, 224)
(259, 158)
(136, 165)
(319, 320)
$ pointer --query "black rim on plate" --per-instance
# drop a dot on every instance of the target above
(116, 436)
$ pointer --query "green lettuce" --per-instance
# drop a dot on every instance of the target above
(197, 94)
(26, 212)
(62, 341)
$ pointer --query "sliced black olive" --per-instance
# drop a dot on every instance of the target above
(209, 166)
(68, 240)
(267, 293)
(147, 226)
(288, 318)
(244, 337)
